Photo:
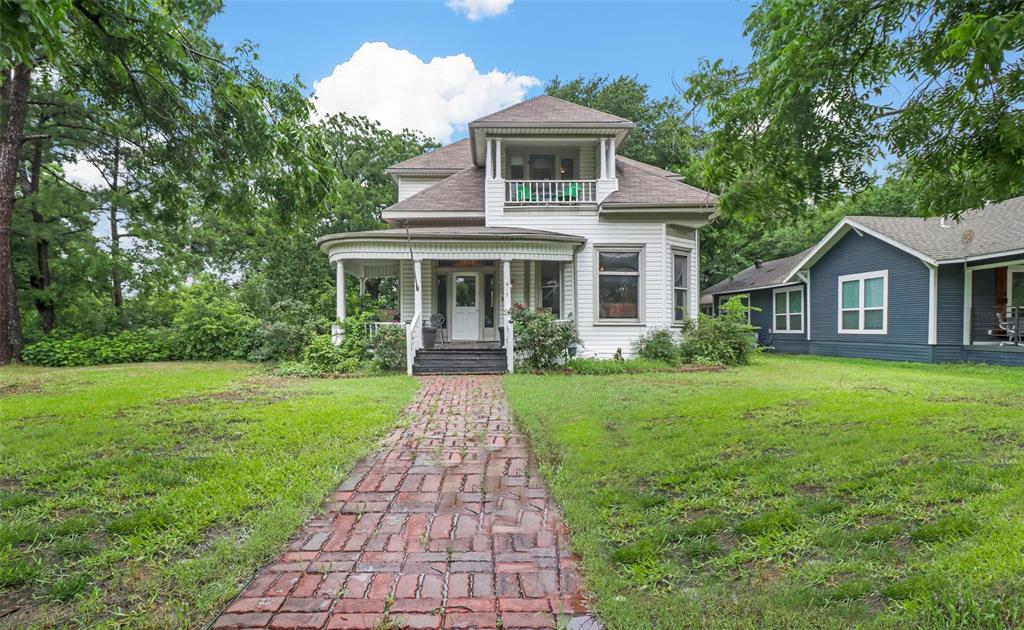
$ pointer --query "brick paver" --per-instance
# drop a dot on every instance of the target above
(449, 527)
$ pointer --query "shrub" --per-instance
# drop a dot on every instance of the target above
(541, 342)
(321, 355)
(659, 345)
(278, 341)
(388, 348)
(126, 347)
(211, 326)
(727, 339)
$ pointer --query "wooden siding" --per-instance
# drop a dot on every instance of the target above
(951, 306)
(983, 304)
(906, 338)
(603, 339)
(409, 186)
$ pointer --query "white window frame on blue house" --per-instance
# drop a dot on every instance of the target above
(775, 313)
(860, 308)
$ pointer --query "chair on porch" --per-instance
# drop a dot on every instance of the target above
(1010, 324)
(437, 321)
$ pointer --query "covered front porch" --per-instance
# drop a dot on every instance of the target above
(994, 306)
(457, 284)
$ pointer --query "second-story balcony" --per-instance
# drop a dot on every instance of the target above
(544, 192)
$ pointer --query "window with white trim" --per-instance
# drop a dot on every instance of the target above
(680, 287)
(744, 300)
(788, 313)
(618, 284)
(863, 303)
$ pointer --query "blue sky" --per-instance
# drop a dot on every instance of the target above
(526, 42)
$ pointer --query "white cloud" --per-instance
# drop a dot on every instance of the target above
(475, 10)
(83, 173)
(402, 91)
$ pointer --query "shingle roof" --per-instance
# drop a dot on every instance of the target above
(771, 273)
(461, 192)
(453, 157)
(548, 109)
(454, 233)
(987, 231)
(645, 185)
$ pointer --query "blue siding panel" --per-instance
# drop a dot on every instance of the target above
(907, 336)
(951, 305)
(983, 304)
(1008, 357)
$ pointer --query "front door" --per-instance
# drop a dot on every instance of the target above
(466, 307)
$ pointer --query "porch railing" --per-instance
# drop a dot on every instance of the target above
(373, 328)
(996, 324)
(532, 192)
(510, 345)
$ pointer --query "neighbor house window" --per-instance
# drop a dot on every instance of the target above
(789, 310)
(863, 298)
(680, 266)
(551, 287)
(618, 284)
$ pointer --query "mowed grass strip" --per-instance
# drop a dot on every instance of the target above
(144, 495)
(796, 492)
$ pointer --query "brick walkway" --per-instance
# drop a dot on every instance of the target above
(449, 528)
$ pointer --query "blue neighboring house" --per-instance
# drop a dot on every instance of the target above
(906, 289)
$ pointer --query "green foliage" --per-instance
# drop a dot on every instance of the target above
(612, 366)
(321, 355)
(659, 344)
(541, 343)
(836, 86)
(210, 325)
(132, 346)
(278, 341)
(725, 339)
(387, 348)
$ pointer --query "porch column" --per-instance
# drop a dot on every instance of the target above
(417, 283)
(489, 161)
(506, 285)
(497, 159)
(968, 299)
(611, 158)
(341, 290)
(603, 172)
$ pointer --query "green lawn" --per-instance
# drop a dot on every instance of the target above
(797, 492)
(144, 495)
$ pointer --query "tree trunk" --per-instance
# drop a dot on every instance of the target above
(40, 278)
(16, 88)
(117, 282)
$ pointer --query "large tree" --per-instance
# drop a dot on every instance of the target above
(209, 129)
(836, 88)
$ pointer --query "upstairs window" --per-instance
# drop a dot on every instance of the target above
(789, 310)
(517, 167)
(542, 167)
(863, 303)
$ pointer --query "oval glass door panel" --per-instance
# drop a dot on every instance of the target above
(466, 310)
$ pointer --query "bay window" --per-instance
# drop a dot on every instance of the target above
(863, 303)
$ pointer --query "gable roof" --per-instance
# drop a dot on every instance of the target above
(548, 109)
(461, 192)
(643, 185)
(989, 232)
(771, 273)
(451, 159)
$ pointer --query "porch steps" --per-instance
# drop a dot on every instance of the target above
(460, 361)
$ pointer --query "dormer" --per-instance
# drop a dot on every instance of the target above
(547, 152)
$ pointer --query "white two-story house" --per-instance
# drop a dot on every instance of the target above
(535, 207)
